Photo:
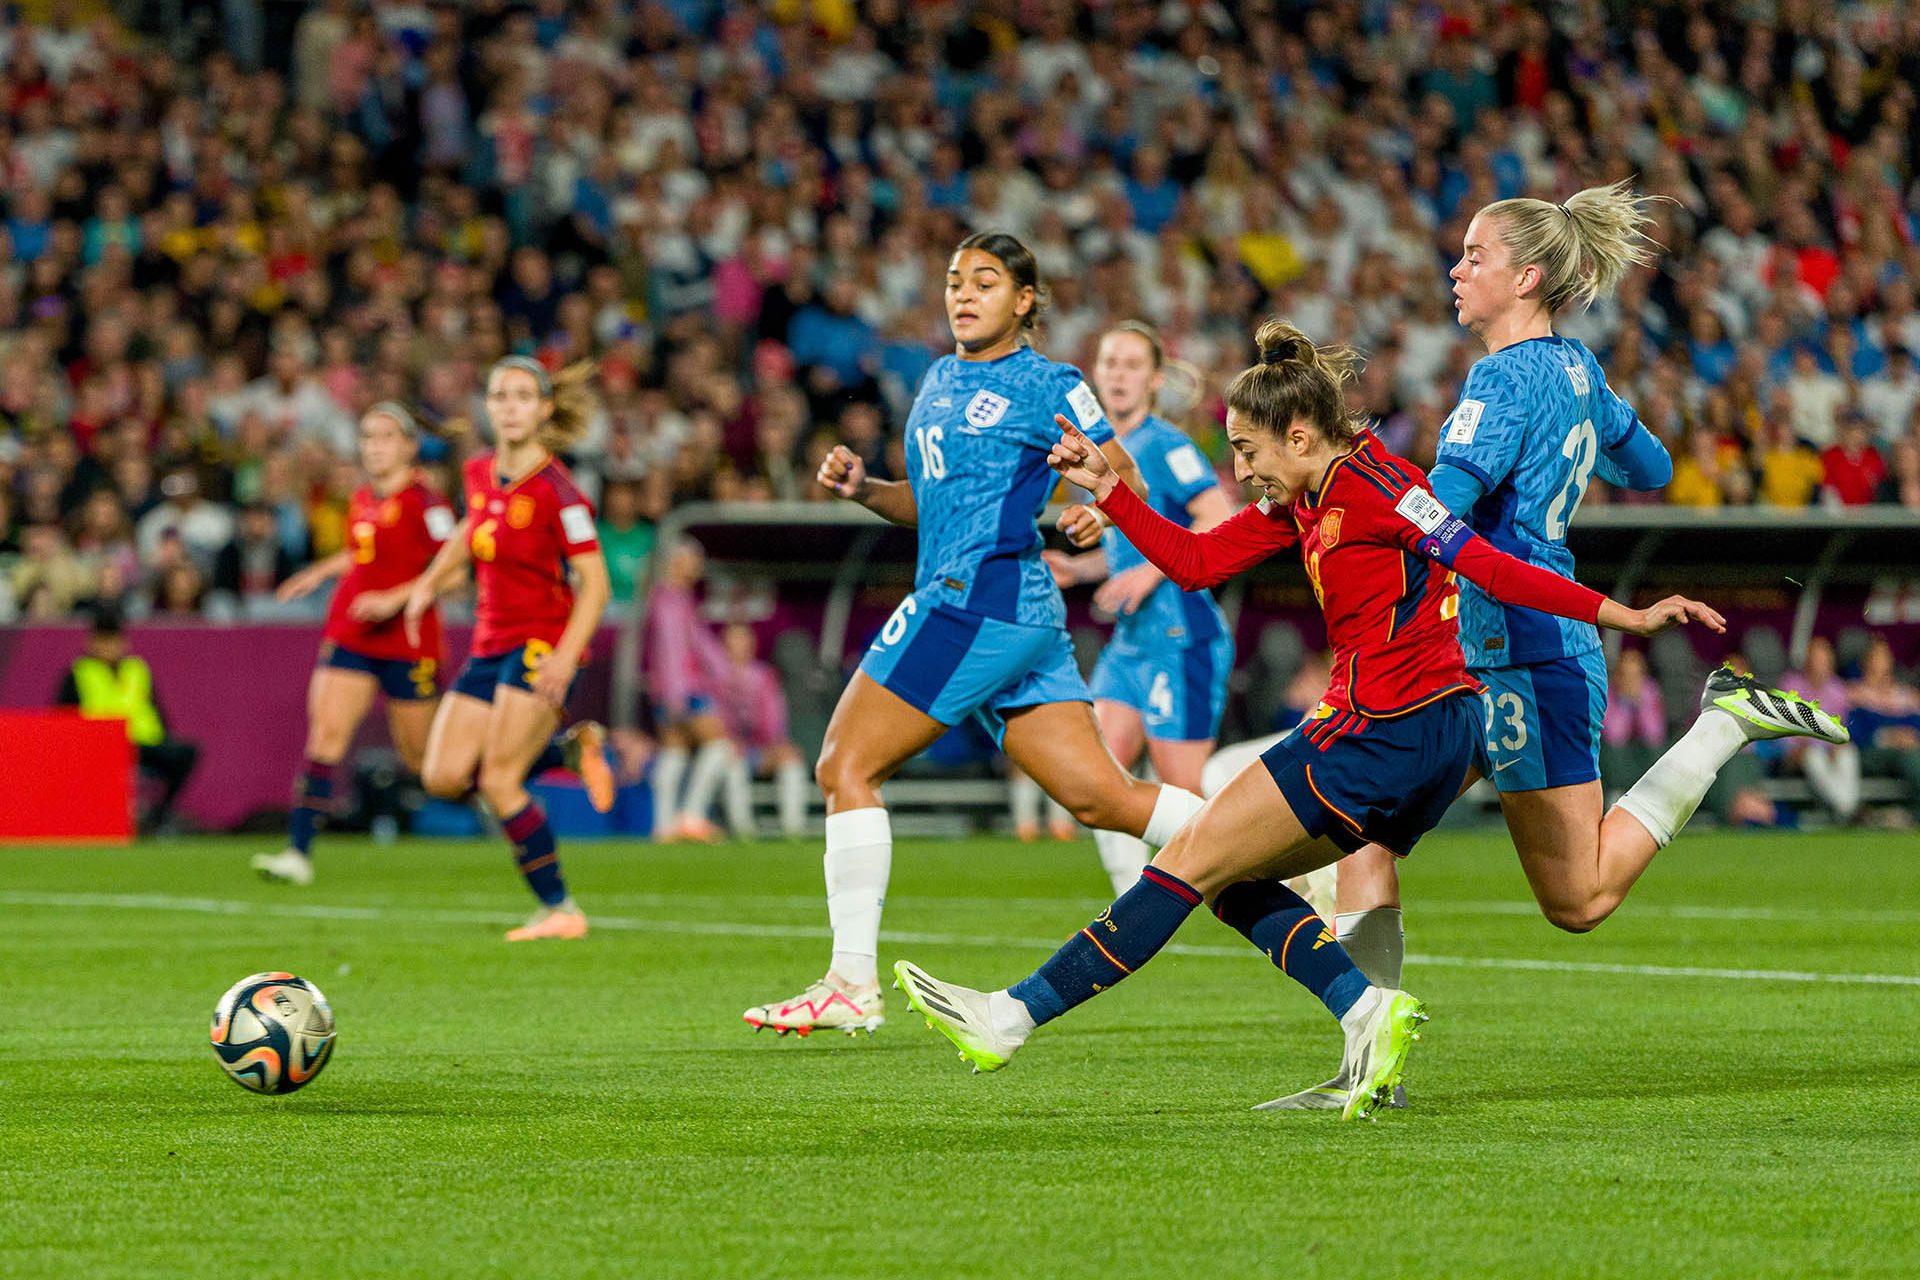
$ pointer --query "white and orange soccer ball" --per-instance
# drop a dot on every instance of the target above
(273, 1032)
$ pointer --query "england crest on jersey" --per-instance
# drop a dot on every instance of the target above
(986, 409)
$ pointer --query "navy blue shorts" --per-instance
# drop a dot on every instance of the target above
(515, 669)
(1386, 782)
(1543, 722)
(401, 679)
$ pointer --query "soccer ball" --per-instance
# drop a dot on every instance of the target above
(272, 1032)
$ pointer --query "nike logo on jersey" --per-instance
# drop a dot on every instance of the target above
(1505, 764)
(1578, 377)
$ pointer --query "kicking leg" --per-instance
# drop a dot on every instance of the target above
(1228, 854)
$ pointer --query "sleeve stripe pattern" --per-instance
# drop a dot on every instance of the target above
(1374, 478)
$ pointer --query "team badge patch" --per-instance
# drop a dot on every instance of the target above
(520, 511)
(390, 512)
(1330, 528)
(1085, 405)
(986, 409)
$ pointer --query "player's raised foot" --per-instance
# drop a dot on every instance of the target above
(1766, 712)
(562, 924)
(827, 1005)
(1380, 1029)
(961, 1014)
(289, 866)
(583, 747)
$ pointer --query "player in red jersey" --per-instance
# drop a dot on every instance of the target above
(542, 586)
(1385, 752)
(395, 525)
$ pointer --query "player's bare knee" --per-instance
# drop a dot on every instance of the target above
(444, 783)
(1583, 917)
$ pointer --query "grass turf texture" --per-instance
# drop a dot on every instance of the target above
(599, 1108)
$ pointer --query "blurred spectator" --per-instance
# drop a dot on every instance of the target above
(1831, 769)
(202, 528)
(1790, 471)
(109, 682)
(681, 660)
(626, 535)
(1854, 468)
(1889, 397)
(256, 562)
(753, 707)
(1634, 731)
(1885, 722)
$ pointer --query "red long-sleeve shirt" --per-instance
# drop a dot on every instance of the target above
(1381, 552)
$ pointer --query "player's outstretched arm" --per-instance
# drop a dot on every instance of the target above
(1191, 559)
(845, 476)
(314, 576)
(1511, 580)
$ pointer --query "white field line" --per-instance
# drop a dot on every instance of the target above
(717, 928)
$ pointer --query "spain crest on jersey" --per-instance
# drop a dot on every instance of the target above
(1330, 528)
(986, 408)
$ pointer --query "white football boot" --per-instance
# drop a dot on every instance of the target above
(827, 1005)
(289, 866)
(1380, 1029)
(961, 1014)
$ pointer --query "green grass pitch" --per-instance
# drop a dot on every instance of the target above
(1643, 1101)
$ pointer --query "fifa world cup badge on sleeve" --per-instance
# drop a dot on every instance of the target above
(1085, 405)
(1422, 509)
(1466, 416)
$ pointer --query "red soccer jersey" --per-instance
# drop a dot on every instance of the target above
(521, 534)
(391, 541)
(1381, 553)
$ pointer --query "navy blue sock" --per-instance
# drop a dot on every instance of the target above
(313, 800)
(1121, 939)
(534, 850)
(1279, 922)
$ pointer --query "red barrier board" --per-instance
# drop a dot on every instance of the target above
(64, 778)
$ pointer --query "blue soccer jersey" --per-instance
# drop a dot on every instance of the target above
(1531, 425)
(977, 443)
(1175, 474)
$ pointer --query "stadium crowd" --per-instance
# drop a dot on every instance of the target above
(228, 229)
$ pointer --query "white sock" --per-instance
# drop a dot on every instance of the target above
(1023, 800)
(739, 794)
(1667, 795)
(1170, 813)
(790, 780)
(668, 769)
(1009, 1017)
(709, 767)
(859, 857)
(1123, 856)
(1376, 940)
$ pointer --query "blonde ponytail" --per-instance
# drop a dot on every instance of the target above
(1583, 247)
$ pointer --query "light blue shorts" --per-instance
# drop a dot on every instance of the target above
(952, 664)
(1543, 722)
(1179, 693)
